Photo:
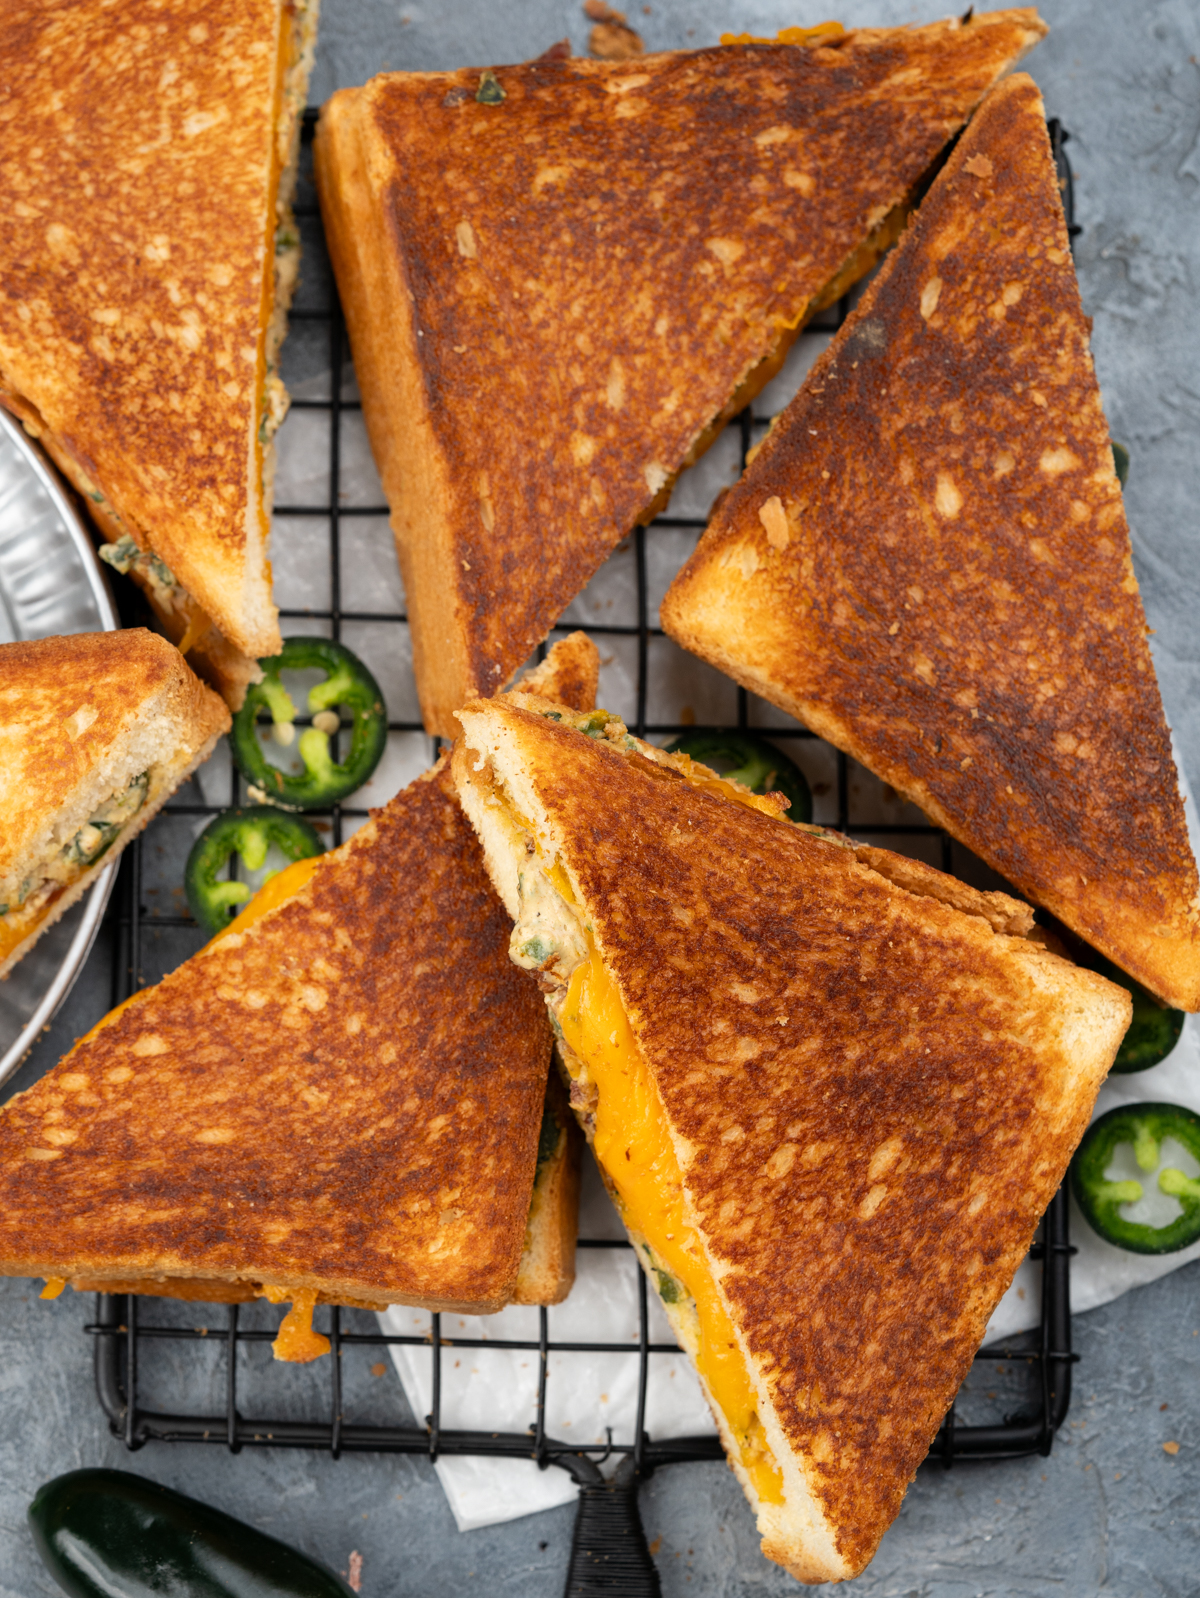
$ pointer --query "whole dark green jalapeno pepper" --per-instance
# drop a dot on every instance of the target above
(1144, 1127)
(323, 781)
(111, 1534)
(249, 832)
(751, 761)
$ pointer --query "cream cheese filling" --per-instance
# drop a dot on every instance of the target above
(24, 903)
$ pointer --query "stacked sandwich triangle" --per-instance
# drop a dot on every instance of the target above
(560, 280)
(928, 563)
(97, 730)
(337, 1100)
(831, 1090)
(147, 260)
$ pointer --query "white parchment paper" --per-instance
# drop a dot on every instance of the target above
(495, 1389)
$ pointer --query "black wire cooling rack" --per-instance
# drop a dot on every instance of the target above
(133, 1335)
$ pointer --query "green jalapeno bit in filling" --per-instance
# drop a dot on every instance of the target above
(82, 851)
(125, 555)
(549, 1139)
(1106, 1189)
(753, 762)
(249, 833)
(100, 831)
(324, 781)
(489, 91)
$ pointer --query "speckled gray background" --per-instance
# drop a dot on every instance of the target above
(1110, 1510)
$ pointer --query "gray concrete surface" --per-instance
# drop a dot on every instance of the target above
(1110, 1510)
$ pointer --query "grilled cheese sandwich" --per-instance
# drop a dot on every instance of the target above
(140, 332)
(477, 251)
(974, 634)
(361, 1009)
(96, 731)
(783, 1048)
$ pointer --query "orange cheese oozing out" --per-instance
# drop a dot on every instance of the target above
(296, 1342)
(825, 33)
(11, 936)
(14, 931)
(634, 1146)
(54, 1286)
(705, 781)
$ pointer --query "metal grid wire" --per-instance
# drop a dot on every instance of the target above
(133, 1334)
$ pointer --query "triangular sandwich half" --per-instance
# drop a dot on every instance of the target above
(928, 563)
(340, 1099)
(97, 730)
(147, 259)
(831, 1091)
(562, 278)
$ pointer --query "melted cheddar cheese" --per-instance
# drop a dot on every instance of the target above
(824, 34)
(633, 1145)
(11, 935)
(54, 1286)
(296, 1342)
(707, 781)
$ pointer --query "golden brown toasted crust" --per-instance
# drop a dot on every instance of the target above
(547, 1271)
(346, 1097)
(137, 217)
(872, 1094)
(207, 651)
(928, 562)
(80, 717)
(570, 673)
(614, 254)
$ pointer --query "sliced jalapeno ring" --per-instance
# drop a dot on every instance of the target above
(248, 832)
(347, 684)
(1144, 1127)
(751, 761)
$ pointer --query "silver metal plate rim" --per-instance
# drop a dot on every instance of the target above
(97, 896)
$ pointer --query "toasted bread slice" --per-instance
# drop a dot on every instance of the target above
(147, 259)
(567, 676)
(928, 563)
(570, 673)
(367, 1101)
(97, 730)
(830, 1098)
(359, 1119)
(617, 255)
(547, 1271)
